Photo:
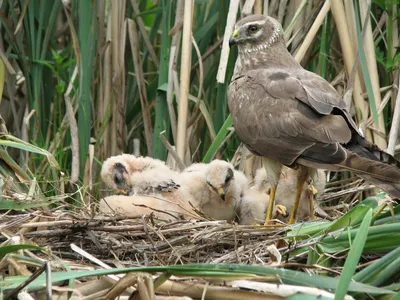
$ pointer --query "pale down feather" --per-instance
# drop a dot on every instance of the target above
(255, 200)
(130, 175)
(214, 189)
(137, 205)
(287, 188)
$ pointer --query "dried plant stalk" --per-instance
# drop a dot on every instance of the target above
(144, 34)
(258, 7)
(394, 130)
(348, 54)
(247, 7)
(185, 79)
(173, 55)
(73, 127)
(118, 75)
(230, 22)
(369, 48)
(106, 147)
(134, 40)
(312, 32)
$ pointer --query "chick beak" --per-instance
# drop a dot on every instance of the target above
(222, 193)
(233, 40)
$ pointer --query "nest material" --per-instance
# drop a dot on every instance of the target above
(146, 241)
(78, 239)
(143, 242)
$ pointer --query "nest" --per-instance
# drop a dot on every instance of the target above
(144, 241)
(82, 241)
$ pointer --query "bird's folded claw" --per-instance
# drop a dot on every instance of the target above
(281, 210)
(313, 189)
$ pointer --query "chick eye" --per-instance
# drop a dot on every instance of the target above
(120, 167)
(253, 28)
(228, 178)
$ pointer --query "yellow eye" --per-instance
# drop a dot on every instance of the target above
(253, 28)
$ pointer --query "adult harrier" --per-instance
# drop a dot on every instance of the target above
(293, 117)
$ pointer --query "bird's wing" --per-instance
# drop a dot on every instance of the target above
(272, 121)
(151, 181)
(308, 87)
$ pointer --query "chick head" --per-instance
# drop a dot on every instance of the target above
(116, 172)
(219, 175)
(261, 180)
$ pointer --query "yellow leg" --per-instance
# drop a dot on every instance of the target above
(300, 183)
(311, 206)
(268, 215)
(313, 192)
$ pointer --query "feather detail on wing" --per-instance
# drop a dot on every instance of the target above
(384, 176)
(282, 127)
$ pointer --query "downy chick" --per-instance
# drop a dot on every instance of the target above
(137, 206)
(214, 189)
(287, 188)
(130, 175)
(255, 201)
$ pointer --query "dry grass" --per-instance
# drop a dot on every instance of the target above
(116, 82)
(74, 240)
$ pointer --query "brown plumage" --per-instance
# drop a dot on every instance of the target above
(294, 117)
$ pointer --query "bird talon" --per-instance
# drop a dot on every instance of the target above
(313, 189)
(281, 210)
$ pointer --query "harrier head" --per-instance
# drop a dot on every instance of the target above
(255, 33)
(115, 172)
(219, 175)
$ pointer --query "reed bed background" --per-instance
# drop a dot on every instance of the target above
(83, 80)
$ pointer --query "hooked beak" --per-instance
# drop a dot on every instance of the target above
(233, 39)
(222, 192)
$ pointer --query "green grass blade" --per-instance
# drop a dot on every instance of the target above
(7, 165)
(11, 141)
(296, 16)
(381, 238)
(23, 205)
(87, 44)
(50, 23)
(2, 72)
(352, 218)
(212, 270)
(353, 257)
(364, 66)
(389, 274)
(396, 297)
(162, 120)
(218, 140)
(372, 271)
(4, 250)
(323, 53)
